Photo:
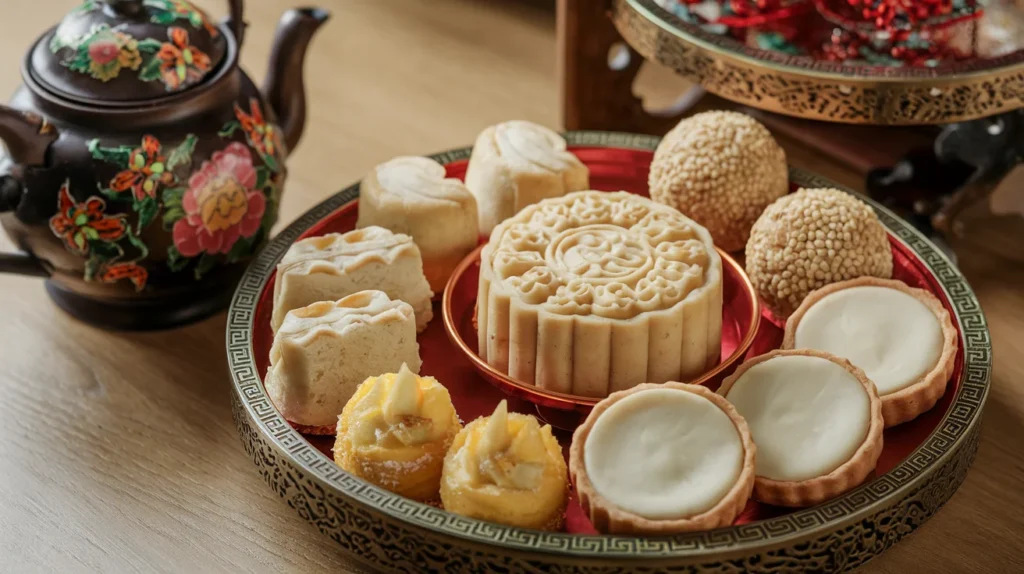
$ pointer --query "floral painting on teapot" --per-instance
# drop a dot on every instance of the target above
(216, 210)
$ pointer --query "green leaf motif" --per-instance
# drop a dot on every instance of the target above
(107, 251)
(171, 216)
(172, 196)
(92, 267)
(240, 249)
(163, 17)
(206, 263)
(150, 71)
(172, 206)
(58, 43)
(270, 215)
(138, 244)
(262, 175)
(108, 193)
(119, 156)
(229, 129)
(147, 210)
(175, 260)
(86, 6)
(150, 45)
(182, 155)
(273, 194)
(80, 62)
(272, 163)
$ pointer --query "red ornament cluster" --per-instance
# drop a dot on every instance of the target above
(844, 46)
(911, 31)
(882, 15)
(891, 15)
(747, 8)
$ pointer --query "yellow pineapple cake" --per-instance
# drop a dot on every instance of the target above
(395, 432)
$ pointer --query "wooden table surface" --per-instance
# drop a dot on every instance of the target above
(118, 451)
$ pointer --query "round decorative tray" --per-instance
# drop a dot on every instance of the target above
(923, 463)
(758, 72)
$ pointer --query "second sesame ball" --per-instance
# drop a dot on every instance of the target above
(721, 169)
(810, 239)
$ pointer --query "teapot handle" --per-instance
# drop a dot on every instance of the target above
(17, 263)
(236, 20)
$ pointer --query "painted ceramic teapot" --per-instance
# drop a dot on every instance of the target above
(144, 168)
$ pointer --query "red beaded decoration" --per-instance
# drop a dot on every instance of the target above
(892, 15)
(747, 8)
(755, 13)
(842, 46)
(914, 32)
(846, 45)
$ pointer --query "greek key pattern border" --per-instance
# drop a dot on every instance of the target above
(317, 488)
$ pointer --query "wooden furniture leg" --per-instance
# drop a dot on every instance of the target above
(594, 95)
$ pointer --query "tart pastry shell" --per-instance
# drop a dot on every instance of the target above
(322, 430)
(609, 518)
(848, 475)
(921, 396)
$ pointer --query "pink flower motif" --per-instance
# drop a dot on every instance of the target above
(104, 51)
(221, 204)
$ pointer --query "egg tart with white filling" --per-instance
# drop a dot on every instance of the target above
(816, 420)
(662, 459)
(902, 337)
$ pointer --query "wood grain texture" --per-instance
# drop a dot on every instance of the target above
(595, 96)
(118, 452)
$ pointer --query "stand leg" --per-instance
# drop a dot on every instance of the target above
(933, 187)
(595, 95)
(967, 162)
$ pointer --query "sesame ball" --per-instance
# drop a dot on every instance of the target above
(721, 169)
(810, 239)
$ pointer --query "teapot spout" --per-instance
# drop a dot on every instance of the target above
(26, 135)
(285, 87)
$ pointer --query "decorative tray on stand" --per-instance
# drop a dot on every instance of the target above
(814, 59)
(922, 465)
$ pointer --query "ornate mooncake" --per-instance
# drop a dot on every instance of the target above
(322, 353)
(597, 292)
(411, 195)
(335, 265)
(517, 163)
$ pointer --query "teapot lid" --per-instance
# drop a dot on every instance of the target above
(121, 51)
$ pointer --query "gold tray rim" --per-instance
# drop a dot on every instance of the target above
(345, 508)
(827, 92)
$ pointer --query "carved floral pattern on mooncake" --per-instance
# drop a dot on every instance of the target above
(604, 254)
